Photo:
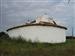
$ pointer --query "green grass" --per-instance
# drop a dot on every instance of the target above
(19, 47)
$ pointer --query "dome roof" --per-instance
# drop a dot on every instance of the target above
(44, 20)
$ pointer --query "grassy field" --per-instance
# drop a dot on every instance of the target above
(19, 47)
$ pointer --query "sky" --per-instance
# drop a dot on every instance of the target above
(17, 12)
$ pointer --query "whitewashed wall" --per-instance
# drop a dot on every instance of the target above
(40, 33)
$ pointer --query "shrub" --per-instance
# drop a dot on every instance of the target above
(3, 35)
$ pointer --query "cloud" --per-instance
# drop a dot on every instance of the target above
(15, 12)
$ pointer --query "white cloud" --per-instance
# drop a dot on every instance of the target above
(14, 11)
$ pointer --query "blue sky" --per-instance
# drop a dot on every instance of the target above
(17, 12)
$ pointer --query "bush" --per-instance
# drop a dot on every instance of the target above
(3, 35)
